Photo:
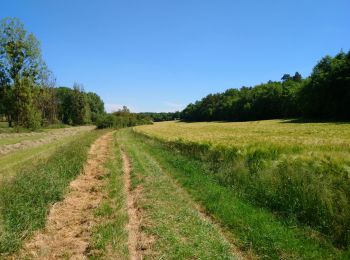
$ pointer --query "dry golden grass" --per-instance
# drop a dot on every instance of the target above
(299, 169)
(307, 139)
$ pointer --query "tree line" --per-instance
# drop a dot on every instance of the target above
(324, 95)
(161, 116)
(29, 97)
(122, 118)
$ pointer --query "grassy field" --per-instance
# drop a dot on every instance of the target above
(4, 128)
(302, 139)
(22, 148)
(297, 170)
(39, 177)
(254, 231)
(269, 189)
(171, 223)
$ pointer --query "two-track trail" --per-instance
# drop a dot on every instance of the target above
(164, 221)
(68, 230)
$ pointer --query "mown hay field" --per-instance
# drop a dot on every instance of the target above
(298, 170)
(33, 178)
(23, 149)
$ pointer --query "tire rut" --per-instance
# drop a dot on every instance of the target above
(134, 236)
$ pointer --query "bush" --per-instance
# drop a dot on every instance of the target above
(33, 121)
(121, 119)
(106, 121)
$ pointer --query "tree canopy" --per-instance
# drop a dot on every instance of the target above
(28, 95)
(323, 95)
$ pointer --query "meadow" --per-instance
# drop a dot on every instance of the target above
(24, 149)
(265, 189)
(299, 171)
(35, 174)
(219, 178)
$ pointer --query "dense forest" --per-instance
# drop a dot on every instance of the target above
(324, 95)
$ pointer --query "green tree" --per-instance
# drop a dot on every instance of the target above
(21, 68)
(96, 105)
(297, 77)
(80, 107)
(64, 96)
(25, 112)
(326, 94)
(286, 77)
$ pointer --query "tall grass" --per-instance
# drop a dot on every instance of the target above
(26, 197)
(253, 229)
(314, 191)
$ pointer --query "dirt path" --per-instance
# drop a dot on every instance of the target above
(134, 236)
(68, 229)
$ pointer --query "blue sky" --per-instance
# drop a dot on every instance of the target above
(160, 55)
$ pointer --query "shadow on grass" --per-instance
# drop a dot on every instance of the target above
(283, 121)
(306, 121)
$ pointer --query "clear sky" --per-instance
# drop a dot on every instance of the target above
(160, 55)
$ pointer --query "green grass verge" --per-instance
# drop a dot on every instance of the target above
(314, 190)
(170, 216)
(109, 237)
(25, 199)
(255, 228)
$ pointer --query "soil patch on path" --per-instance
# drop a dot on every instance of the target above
(134, 236)
(68, 230)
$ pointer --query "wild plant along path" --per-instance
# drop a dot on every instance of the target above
(68, 230)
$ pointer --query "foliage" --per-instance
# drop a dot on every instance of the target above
(80, 107)
(327, 92)
(77, 107)
(25, 113)
(264, 101)
(162, 116)
(96, 105)
(121, 118)
(28, 97)
(21, 68)
(324, 95)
